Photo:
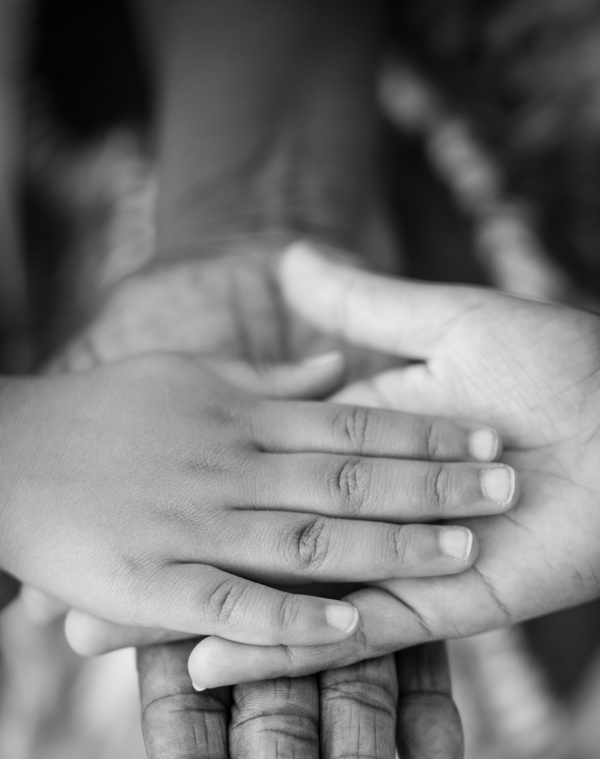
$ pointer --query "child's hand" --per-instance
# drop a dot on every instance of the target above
(138, 491)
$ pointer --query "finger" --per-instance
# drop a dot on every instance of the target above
(41, 608)
(314, 377)
(273, 719)
(338, 428)
(429, 724)
(391, 315)
(381, 489)
(200, 599)
(358, 710)
(89, 635)
(280, 547)
(178, 722)
(386, 624)
(415, 389)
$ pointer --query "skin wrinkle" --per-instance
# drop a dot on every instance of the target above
(358, 709)
(261, 717)
(427, 629)
(338, 692)
(508, 617)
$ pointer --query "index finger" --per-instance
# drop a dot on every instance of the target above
(404, 318)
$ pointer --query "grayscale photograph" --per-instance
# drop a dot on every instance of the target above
(299, 379)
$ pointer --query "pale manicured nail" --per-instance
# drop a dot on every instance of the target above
(342, 617)
(484, 444)
(198, 687)
(324, 359)
(457, 543)
(498, 484)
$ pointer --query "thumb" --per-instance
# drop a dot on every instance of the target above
(396, 316)
(314, 377)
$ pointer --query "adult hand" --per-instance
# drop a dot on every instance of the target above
(530, 369)
(356, 710)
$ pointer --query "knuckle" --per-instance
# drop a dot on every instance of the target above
(433, 440)
(227, 601)
(288, 613)
(356, 426)
(133, 584)
(439, 488)
(350, 484)
(401, 544)
(311, 543)
(364, 695)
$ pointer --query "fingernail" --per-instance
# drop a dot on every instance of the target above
(342, 617)
(324, 359)
(197, 687)
(457, 543)
(498, 484)
(484, 444)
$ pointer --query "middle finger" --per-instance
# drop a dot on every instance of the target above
(275, 719)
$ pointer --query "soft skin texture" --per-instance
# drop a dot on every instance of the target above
(161, 477)
(532, 370)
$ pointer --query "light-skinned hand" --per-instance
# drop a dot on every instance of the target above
(140, 492)
(530, 369)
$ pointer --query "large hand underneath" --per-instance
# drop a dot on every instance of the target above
(530, 369)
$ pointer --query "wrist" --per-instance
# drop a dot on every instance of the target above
(267, 124)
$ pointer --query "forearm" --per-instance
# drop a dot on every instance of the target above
(266, 120)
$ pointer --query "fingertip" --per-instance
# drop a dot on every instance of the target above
(484, 444)
(343, 618)
(294, 259)
(459, 544)
(214, 663)
(304, 261)
(323, 373)
(218, 662)
(82, 634)
(500, 486)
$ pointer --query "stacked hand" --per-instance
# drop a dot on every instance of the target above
(355, 704)
(283, 147)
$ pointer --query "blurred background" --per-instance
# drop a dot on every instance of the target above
(490, 118)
